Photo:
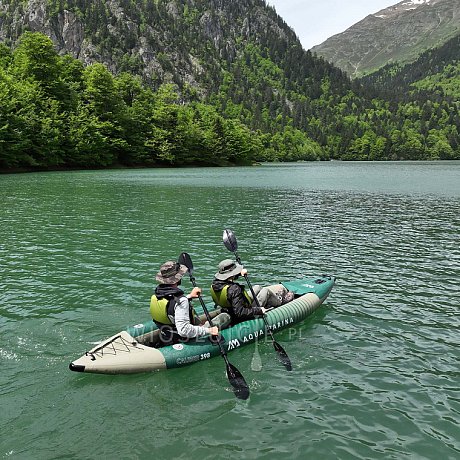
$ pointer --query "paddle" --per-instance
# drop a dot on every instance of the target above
(231, 244)
(256, 362)
(240, 387)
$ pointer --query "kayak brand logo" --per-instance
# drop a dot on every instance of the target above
(253, 335)
(308, 286)
(234, 343)
(281, 324)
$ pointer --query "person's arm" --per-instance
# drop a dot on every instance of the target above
(240, 308)
(182, 321)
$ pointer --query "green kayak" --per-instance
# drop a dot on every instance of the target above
(135, 349)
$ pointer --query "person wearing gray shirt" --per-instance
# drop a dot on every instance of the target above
(172, 310)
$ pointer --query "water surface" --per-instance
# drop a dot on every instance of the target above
(376, 368)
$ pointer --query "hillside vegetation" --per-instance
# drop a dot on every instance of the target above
(57, 113)
(192, 82)
(434, 75)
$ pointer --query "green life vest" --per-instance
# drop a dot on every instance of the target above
(221, 297)
(163, 308)
(159, 310)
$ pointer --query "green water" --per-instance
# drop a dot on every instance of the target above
(376, 370)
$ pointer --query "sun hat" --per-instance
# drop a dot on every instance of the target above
(227, 269)
(171, 272)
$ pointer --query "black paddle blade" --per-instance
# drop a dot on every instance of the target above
(230, 240)
(240, 387)
(284, 358)
(186, 260)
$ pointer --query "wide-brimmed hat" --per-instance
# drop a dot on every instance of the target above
(227, 269)
(171, 272)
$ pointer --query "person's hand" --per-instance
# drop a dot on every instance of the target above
(195, 292)
(244, 272)
(213, 330)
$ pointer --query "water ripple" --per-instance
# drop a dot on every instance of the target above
(376, 369)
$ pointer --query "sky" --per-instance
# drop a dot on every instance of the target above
(314, 21)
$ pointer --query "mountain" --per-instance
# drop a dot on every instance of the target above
(147, 82)
(239, 56)
(399, 33)
(434, 75)
(183, 42)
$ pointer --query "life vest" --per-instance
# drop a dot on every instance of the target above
(162, 309)
(221, 297)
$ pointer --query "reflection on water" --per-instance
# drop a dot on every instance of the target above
(375, 369)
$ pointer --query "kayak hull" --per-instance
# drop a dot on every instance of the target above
(129, 352)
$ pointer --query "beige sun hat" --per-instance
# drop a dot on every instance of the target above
(227, 269)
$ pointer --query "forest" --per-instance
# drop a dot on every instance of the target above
(57, 113)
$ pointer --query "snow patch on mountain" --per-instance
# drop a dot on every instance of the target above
(405, 5)
(416, 2)
(413, 4)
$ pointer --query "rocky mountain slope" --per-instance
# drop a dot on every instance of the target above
(239, 56)
(399, 33)
(164, 41)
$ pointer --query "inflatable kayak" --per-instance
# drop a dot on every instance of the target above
(135, 349)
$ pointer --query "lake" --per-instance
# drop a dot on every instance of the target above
(376, 369)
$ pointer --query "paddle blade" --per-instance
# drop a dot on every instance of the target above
(256, 362)
(230, 240)
(284, 358)
(240, 387)
(186, 260)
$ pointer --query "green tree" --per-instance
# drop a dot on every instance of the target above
(161, 140)
(36, 58)
(6, 56)
(97, 125)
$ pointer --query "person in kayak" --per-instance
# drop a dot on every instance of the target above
(231, 296)
(172, 310)
(235, 300)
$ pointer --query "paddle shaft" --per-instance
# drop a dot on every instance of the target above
(280, 350)
(236, 379)
(256, 300)
(208, 317)
(254, 297)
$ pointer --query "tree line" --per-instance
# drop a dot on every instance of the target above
(54, 112)
(349, 120)
(57, 113)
